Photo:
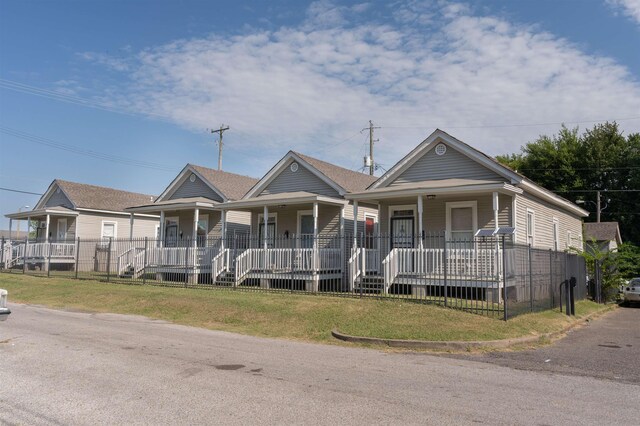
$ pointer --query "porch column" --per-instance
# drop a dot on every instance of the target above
(131, 227)
(514, 217)
(342, 237)
(162, 225)
(420, 226)
(10, 229)
(46, 235)
(315, 236)
(355, 223)
(223, 219)
(496, 208)
(194, 233)
(265, 219)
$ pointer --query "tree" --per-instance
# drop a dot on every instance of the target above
(576, 166)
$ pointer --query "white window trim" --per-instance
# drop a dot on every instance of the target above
(462, 204)
(66, 227)
(275, 221)
(115, 228)
(206, 218)
(555, 231)
(412, 207)
(533, 226)
(374, 216)
(569, 239)
(299, 224)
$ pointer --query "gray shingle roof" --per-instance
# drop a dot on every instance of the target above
(348, 179)
(232, 186)
(95, 197)
(602, 231)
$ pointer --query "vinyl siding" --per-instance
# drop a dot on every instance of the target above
(302, 180)
(58, 199)
(543, 227)
(90, 226)
(362, 210)
(237, 222)
(287, 219)
(53, 228)
(451, 165)
(198, 188)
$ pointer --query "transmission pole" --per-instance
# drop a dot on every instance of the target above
(220, 131)
(372, 166)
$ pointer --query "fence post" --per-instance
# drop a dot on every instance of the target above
(24, 255)
(551, 294)
(504, 278)
(186, 264)
(530, 281)
(77, 257)
(2, 253)
(109, 260)
(292, 254)
(49, 261)
(567, 290)
(144, 261)
(445, 269)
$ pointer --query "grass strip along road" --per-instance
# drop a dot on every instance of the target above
(291, 316)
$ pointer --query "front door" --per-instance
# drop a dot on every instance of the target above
(171, 233)
(402, 232)
(306, 231)
(62, 230)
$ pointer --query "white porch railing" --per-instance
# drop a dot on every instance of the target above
(355, 270)
(181, 256)
(219, 264)
(131, 259)
(44, 251)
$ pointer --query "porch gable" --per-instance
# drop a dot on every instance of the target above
(193, 186)
(55, 197)
(295, 176)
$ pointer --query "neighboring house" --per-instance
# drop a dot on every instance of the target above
(191, 209)
(446, 188)
(299, 219)
(603, 236)
(69, 211)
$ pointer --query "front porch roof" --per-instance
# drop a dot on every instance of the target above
(57, 211)
(285, 198)
(429, 187)
(176, 204)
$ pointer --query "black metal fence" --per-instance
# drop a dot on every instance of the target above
(485, 276)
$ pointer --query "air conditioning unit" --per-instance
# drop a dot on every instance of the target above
(42, 225)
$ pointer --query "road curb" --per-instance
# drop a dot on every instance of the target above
(466, 345)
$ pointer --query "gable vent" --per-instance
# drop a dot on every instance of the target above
(441, 149)
(192, 178)
(294, 167)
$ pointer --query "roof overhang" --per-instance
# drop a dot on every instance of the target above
(424, 188)
(182, 177)
(282, 200)
(48, 194)
(174, 205)
(552, 198)
(41, 212)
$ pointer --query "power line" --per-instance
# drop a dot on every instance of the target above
(587, 168)
(17, 190)
(563, 191)
(488, 126)
(81, 151)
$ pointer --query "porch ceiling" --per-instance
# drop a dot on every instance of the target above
(283, 199)
(433, 187)
(34, 214)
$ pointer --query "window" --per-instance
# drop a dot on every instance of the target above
(369, 230)
(569, 239)
(109, 230)
(305, 228)
(531, 223)
(556, 235)
(462, 220)
(203, 230)
(271, 230)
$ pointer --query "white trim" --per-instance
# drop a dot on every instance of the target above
(181, 178)
(569, 239)
(115, 212)
(48, 194)
(555, 232)
(206, 218)
(376, 225)
(273, 215)
(115, 228)
(461, 204)
(530, 232)
(411, 207)
(439, 136)
(269, 201)
(60, 219)
(400, 191)
(298, 224)
(281, 166)
(514, 216)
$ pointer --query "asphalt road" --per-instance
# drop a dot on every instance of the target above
(59, 367)
(607, 348)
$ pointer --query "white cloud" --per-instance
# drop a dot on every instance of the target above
(310, 86)
(630, 8)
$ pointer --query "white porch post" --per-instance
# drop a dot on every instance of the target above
(194, 234)
(46, 235)
(342, 237)
(420, 225)
(265, 219)
(496, 209)
(315, 236)
(355, 223)
(162, 225)
(10, 229)
(131, 227)
(223, 219)
(514, 217)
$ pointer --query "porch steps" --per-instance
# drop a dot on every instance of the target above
(371, 284)
(227, 278)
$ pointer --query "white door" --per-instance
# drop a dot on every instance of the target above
(62, 230)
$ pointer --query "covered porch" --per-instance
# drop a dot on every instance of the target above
(294, 236)
(188, 238)
(428, 242)
(53, 240)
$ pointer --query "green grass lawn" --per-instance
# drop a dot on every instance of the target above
(291, 316)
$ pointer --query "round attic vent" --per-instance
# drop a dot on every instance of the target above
(192, 178)
(294, 167)
(441, 149)
(57, 190)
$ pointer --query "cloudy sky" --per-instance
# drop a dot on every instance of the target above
(122, 93)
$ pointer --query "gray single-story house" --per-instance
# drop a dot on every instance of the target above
(602, 236)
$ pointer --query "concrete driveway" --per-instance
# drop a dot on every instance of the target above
(59, 367)
(607, 348)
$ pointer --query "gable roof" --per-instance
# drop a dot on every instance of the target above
(230, 186)
(602, 231)
(341, 179)
(491, 163)
(93, 197)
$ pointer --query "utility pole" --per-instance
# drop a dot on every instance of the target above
(220, 131)
(598, 206)
(372, 165)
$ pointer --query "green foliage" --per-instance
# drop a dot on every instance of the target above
(601, 158)
(628, 261)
